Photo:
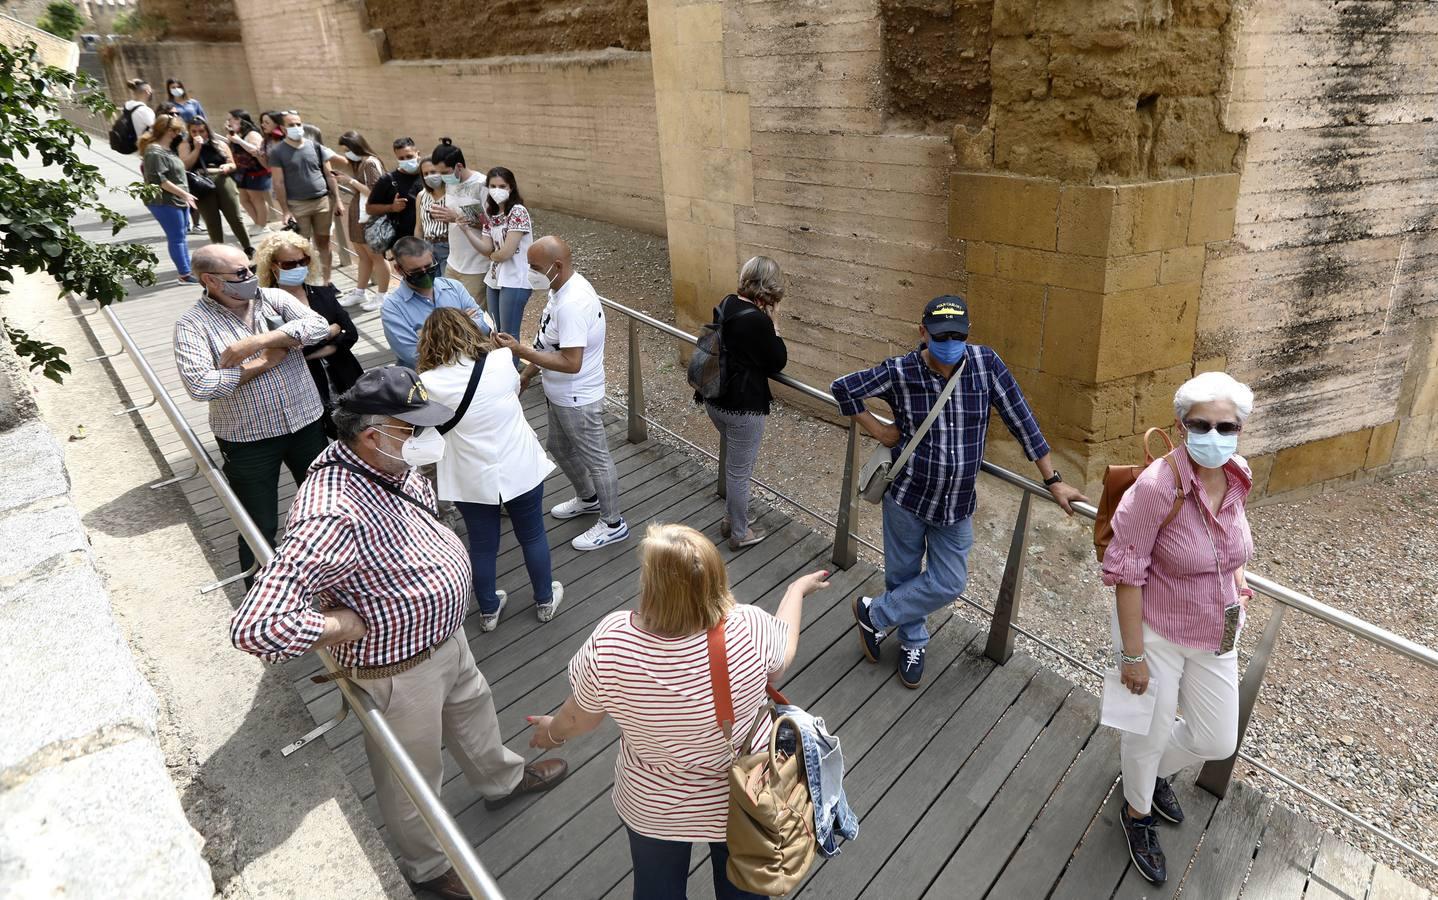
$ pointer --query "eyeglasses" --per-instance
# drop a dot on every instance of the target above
(944, 338)
(243, 273)
(409, 430)
(292, 263)
(1199, 426)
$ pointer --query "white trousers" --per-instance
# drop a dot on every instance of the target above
(1206, 686)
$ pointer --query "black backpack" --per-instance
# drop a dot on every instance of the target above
(708, 373)
(123, 138)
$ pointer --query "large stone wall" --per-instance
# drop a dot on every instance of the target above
(52, 50)
(216, 73)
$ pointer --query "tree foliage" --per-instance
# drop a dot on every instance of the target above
(38, 211)
(62, 19)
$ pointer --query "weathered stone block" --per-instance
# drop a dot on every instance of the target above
(1153, 404)
(1181, 264)
(1319, 461)
(1152, 216)
(980, 258)
(736, 121)
(1211, 364)
(1413, 436)
(33, 465)
(1380, 446)
(699, 23)
(1086, 219)
(1130, 273)
(1262, 468)
(1215, 204)
(1190, 137)
(1072, 330)
(973, 147)
(1004, 210)
(1147, 330)
(1085, 273)
(1008, 316)
(36, 534)
(1014, 18)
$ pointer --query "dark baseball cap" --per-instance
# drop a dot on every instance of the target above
(395, 391)
(948, 314)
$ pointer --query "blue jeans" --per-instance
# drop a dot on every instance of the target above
(506, 305)
(175, 220)
(482, 521)
(661, 869)
(911, 594)
(441, 256)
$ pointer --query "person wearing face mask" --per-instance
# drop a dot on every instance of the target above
(187, 107)
(162, 166)
(420, 292)
(395, 194)
(368, 570)
(427, 225)
(464, 191)
(929, 505)
(252, 171)
(366, 171)
(238, 349)
(213, 160)
(283, 260)
(305, 188)
(505, 239)
(1181, 601)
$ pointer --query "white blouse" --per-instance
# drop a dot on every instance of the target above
(492, 455)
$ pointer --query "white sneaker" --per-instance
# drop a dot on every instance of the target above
(545, 611)
(490, 621)
(574, 507)
(354, 298)
(372, 303)
(601, 534)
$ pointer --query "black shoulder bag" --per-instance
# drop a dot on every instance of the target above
(463, 407)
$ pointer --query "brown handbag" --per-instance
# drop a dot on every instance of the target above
(770, 833)
(1118, 479)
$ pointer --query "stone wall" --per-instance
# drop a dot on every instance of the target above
(53, 51)
(87, 808)
(217, 74)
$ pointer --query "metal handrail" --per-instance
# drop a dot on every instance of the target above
(1216, 775)
(441, 824)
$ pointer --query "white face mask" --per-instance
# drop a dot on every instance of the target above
(177, 92)
(499, 195)
(422, 449)
(295, 132)
(409, 166)
(352, 156)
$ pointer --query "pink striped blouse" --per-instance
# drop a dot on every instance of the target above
(1186, 569)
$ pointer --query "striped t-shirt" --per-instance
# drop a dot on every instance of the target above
(670, 779)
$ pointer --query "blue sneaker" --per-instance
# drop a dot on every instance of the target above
(869, 636)
(911, 666)
(1165, 803)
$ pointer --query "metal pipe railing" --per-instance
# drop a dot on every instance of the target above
(441, 824)
(1217, 775)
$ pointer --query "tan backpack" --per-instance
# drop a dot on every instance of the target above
(1118, 479)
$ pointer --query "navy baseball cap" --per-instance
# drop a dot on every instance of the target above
(948, 314)
(395, 391)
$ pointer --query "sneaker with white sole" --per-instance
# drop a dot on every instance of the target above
(601, 534)
(545, 611)
(575, 507)
(373, 303)
(354, 298)
(490, 621)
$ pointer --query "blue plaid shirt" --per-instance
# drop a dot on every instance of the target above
(938, 484)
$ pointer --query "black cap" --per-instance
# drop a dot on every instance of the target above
(946, 315)
(395, 391)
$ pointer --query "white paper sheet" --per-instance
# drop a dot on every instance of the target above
(1125, 710)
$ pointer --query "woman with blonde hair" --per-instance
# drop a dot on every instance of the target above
(282, 261)
(162, 166)
(649, 670)
(492, 457)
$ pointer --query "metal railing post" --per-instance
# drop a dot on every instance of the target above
(638, 428)
(1006, 608)
(846, 545)
(1217, 774)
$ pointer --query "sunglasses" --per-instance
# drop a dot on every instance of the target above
(945, 338)
(1199, 426)
(292, 263)
(409, 431)
(244, 273)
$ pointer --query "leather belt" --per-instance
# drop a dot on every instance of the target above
(369, 673)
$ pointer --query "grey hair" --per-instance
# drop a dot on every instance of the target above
(761, 280)
(349, 425)
(1210, 386)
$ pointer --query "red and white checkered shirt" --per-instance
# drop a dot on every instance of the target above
(277, 402)
(351, 542)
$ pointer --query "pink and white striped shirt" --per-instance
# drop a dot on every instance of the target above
(671, 775)
(1187, 568)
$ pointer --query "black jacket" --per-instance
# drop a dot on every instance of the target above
(752, 353)
(340, 369)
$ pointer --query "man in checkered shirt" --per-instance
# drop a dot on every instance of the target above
(369, 570)
(929, 507)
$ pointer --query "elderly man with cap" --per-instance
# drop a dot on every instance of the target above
(929, 505)
(367, 568)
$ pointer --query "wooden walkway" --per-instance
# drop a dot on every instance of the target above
(989, 781)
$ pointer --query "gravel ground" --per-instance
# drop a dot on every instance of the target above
(1347, 720)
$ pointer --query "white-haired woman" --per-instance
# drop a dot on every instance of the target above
(753, 353)
(1181, 603)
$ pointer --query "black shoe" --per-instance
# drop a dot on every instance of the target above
(1165, 803)
(869, 636)
(911, 666)
(1143, 845)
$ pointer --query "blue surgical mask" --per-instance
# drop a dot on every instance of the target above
(1212, 450)
(947, 352)
(409, 166)
(292, 277)
(450, 179)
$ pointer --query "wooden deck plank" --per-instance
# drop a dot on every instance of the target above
(1389, 885)
(1284, 858)
(1224, 857)
(1340, 871)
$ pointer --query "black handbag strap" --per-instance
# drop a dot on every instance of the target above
(468, 396)
(388, 486)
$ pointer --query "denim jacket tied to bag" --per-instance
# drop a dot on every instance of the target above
(824, 767)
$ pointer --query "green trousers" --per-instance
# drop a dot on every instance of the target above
(253, 470)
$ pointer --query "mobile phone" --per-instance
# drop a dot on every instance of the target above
(1232, 614)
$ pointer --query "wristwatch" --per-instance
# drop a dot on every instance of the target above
(1053, 479)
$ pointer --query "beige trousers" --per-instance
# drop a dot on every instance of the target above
(443, 697)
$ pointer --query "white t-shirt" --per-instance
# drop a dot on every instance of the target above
(141, 116)
(512, 272)
(464, 257)
(573, 317)
(492, 455)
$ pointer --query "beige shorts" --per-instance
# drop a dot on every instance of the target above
(314, 216)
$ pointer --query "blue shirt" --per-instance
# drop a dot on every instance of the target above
(190, 109)
(939, 482)
(405, 311)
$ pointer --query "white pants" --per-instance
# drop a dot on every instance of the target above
(1206, 686)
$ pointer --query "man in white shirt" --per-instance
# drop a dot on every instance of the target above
(570, 350)
(463, 187)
